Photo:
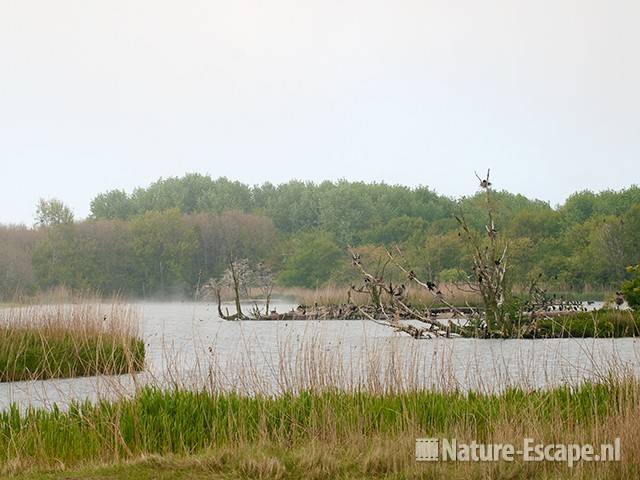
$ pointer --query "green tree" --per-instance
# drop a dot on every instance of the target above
(61, 258)
(16, 250)
(164, 249)
(111, 205)
(579, 207)
(631, 287)
(52, 212)
(397, 230)
(310, 258)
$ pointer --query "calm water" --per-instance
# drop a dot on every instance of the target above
(187, 344)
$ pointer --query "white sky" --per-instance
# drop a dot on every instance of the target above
(96, 95)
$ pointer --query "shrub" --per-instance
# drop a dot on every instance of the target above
(631, 288)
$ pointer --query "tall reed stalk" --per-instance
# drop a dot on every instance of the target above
(68, 340)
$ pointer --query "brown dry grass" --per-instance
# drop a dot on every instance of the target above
(372, 455)
(67, 340)
(331, 422)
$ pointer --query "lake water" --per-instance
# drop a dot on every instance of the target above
(188, 345)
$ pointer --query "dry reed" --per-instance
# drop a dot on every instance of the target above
(311, 410)
(66, 340)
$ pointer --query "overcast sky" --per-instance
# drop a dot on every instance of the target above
(97, 95)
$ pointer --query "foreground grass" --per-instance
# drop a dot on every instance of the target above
(182, 434)
(67, 341)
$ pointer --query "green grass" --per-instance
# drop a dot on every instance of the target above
(26, 354)
(54, 341)
(599, 323)
(184, 423)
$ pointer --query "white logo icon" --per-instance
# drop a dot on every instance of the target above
(427, 450)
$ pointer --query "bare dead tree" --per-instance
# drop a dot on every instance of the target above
(489, 279)
(372, 285)
(237, 278)
(390, 304)
(241, 278)
(490, 264)
(263, 280)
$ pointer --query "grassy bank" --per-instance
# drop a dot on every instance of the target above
(599, 323)
(39, 342)
(316, 435)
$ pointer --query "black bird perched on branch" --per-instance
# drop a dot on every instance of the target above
(484, 182)
(431, 286)
(399, 293)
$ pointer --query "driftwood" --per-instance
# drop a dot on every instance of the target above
(344, 312)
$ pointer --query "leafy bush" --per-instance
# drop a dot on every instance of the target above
(631, 288)
(312, 257)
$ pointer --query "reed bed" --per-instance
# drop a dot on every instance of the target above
(307, 409)
(329, 434)
(598, 323)
(68, 340)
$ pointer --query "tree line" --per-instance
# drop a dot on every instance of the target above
(178, 232)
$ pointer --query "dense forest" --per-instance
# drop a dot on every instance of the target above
(178, 232)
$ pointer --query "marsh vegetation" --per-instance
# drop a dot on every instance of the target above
(320, 399)
(319, 433)
(68, 340)
(181, 391)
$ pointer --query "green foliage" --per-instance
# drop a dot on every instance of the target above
(163, 251)
(398, 230)
(311, 258)
(127, 241)
(631, 288)
(53, 212)
(16, 270)
(152, 253)
(60, 257)
(581, 206)
(111, 205)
